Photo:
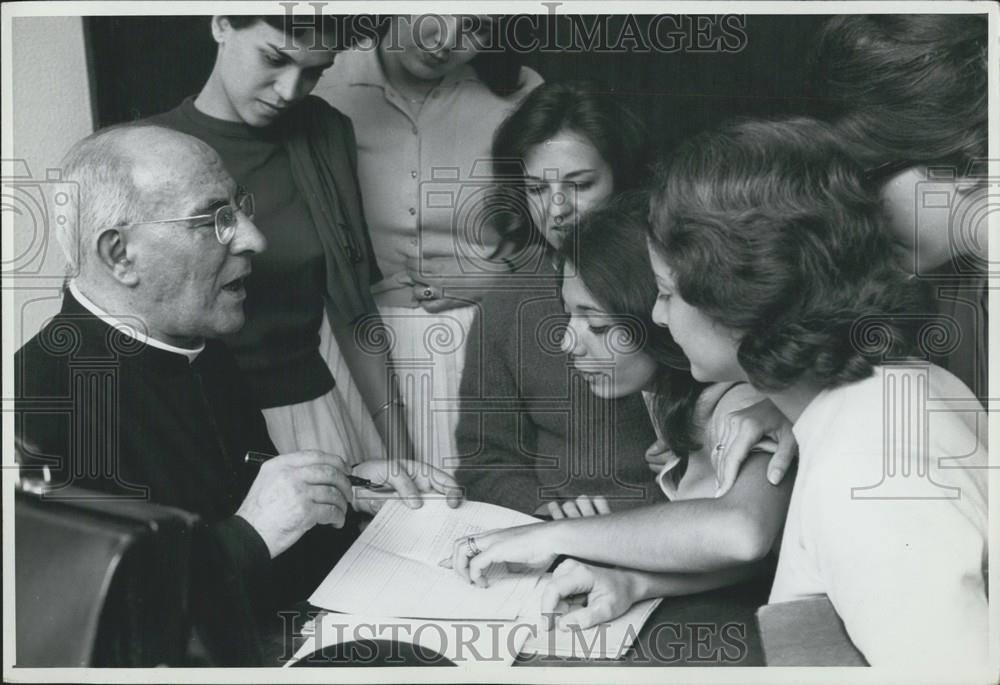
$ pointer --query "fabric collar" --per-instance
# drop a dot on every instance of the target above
(130, 329)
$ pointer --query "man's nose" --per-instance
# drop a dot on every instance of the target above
(248, 238)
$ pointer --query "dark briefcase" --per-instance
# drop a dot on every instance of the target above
(100, 581)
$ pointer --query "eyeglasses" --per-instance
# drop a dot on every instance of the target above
(224, 217)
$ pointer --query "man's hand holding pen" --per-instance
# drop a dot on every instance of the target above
(403, 479)
(294, 492)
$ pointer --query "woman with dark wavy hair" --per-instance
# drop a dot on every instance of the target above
(694, 541)
(906, 95)
(773, 266)
(566, 150)
(608, 291)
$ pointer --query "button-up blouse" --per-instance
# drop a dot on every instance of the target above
(424, 169)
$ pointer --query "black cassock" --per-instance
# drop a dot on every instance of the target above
(109, 413)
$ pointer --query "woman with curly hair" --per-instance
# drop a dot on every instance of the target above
(563, 153)
(692, 541)
(906, 95)
(773, 266)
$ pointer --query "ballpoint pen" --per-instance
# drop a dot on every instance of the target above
(258, 458)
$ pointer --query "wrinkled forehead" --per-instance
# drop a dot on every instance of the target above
(179, 174)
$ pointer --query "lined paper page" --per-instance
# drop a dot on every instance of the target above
(392, 568)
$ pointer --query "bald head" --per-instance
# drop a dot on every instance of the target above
(165, 161)
(125, 174)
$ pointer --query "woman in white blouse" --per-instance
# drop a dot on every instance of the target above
(699, 539)
(425, 99)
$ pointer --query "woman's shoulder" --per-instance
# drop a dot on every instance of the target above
(522, 303)
(714, 406)
(528, 80)
(317, 108)
(317, 120)
(719, 400)
(351, 67)
(734, 396)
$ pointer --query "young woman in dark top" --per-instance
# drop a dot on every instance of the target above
(298, 156)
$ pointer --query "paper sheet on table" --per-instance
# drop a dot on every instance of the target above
(466, 643)
(392, 568)
(609, 640)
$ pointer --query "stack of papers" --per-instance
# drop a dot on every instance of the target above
(390, 586)
(393, 570)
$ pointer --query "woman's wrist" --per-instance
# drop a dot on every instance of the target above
(556, 536)
(386, 406)
(636, 584)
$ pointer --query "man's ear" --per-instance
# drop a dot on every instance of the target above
(112, 254)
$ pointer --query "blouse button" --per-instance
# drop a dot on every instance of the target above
(413, 211)
(413, 174)
(414, 130)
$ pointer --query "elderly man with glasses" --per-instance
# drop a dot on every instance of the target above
(159, 244)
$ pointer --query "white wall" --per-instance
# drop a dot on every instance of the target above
(51, 106)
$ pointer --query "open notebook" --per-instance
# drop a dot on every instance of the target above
(390, 580)
(392, 568)
(480, 643)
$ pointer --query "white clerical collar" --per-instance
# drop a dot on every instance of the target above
(130, 329)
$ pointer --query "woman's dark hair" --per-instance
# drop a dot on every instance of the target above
(338, 31)
(909, 87)
(582, 107)
(498, 64)
(769, 229)
(608, 253)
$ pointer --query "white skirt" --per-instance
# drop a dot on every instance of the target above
(337, 422)
(428, 356)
